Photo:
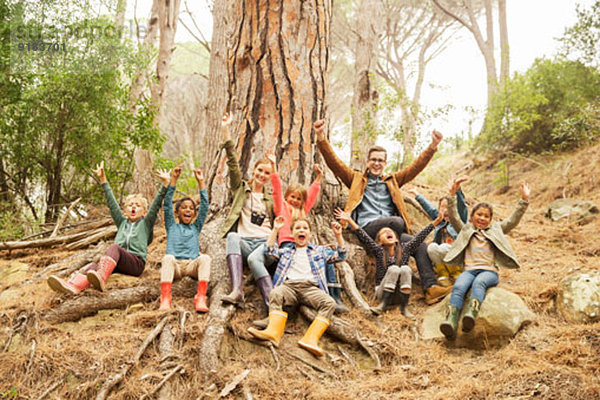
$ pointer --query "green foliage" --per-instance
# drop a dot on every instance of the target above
(66, 111)
(503, 178)
(11, 393)
(552, 106)
(582, 40)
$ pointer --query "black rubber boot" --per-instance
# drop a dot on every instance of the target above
(336, 293)
(386, 300)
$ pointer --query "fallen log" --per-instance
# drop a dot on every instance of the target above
(92, 302)
(107, 233)
(14, 245)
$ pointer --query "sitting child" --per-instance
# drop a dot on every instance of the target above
(480, 248)
(393, 278)
(300, 279)
(183, 256)
(444, 233)
(128, 254)
(297, 203)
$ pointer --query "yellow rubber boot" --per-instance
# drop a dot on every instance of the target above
(310, 340)
(443, 275)
(454, 271)
(274, 330)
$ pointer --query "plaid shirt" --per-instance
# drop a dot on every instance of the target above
(318, 257)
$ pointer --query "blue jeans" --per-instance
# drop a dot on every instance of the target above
(329, 268)
(252, 250)
(478, 280)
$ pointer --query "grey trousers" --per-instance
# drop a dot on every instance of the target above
(395, 278)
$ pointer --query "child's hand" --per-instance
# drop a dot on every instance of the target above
(525, 191)
(438, 219)
(455, 186)
(271, 157)
(99, 171)
(176, 172)
(436, 138)
(342, 215)
(336, 228)
(164, 176)
(319, 171)
(226, 120)
(278, 223)
(320, 129)
(413, 191)
(199, 176)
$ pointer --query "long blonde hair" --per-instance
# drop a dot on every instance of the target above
(297, 213)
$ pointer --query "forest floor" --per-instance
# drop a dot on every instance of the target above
(548, 359)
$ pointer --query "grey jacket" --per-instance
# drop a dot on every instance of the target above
(504, 255)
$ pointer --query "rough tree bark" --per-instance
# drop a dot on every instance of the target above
(276, 57)
(365, 96)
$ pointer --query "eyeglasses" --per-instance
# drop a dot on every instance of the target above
(377, 160)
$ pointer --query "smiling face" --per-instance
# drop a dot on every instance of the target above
(261, 173)
(387, 237)
(376, 162)
(135, 209)
(295, 199)
(301, 233)
(443, 208)
(186, 211)
(481, 217)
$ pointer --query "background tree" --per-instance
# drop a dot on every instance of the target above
(582, 40)
(466, 13)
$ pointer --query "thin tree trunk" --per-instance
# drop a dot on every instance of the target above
(504, 48)
(365, 96)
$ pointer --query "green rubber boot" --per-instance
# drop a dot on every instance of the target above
(468, 321)
(448, 327)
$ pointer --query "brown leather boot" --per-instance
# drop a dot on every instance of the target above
(436, 293)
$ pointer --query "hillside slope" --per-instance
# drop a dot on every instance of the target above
(550, 359)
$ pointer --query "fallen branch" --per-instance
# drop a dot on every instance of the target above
(347, 356)
(13, 245)
(165, 349)
(184, 316)
(275, 356)
(92, 302)
(314, 365)
(107, 233)
(62, 218)
(51, 389)
(31, 353)
(118, 378)
(230, 387)
(164, 380)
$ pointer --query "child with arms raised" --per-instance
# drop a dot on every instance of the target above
(300, 279)
(444, 233)
(183, 256)
(297, 203)
(393, 279)
(128, 254)
(481, 247)
(249, 221)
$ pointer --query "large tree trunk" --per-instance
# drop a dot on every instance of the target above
(276, 63)
(218, 82)
(365, 96)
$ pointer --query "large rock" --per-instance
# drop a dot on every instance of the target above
(578, 211)
(578, 297)
(501, 316)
